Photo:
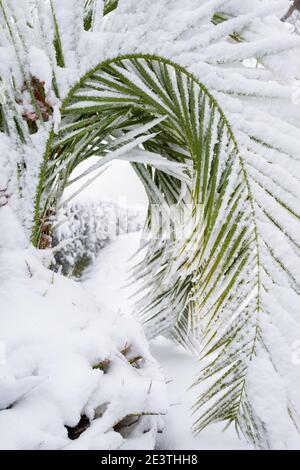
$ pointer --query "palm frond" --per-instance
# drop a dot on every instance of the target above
(202, 293)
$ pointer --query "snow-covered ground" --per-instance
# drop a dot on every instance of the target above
(107, 280)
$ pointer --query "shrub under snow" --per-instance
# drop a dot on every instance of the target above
(73, 374)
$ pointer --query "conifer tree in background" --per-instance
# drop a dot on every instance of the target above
(198, 96)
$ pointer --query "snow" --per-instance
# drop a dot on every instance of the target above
(40, 66)
(181, 369)
(112, 269)
(265, 122)
(55, 337)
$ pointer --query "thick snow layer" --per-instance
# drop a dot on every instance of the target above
(180, 367)
(64, 356)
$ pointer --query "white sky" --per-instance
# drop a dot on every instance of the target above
(118, 183)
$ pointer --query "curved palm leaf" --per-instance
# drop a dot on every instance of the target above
(209, 280)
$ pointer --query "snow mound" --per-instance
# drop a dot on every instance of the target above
(73, 375)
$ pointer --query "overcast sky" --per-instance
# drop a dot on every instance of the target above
(118, 183)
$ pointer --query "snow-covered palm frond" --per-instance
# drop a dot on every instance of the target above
(198, 95)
